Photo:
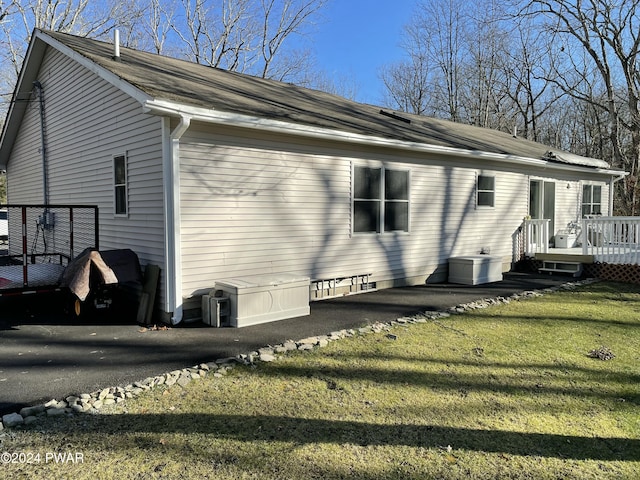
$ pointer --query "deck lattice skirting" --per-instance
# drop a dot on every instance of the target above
(602, 271)
(613, 272)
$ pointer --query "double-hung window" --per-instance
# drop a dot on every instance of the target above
(486, 191)
(380, 200)
(121, 206)
(591, 200)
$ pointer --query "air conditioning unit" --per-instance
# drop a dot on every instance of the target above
(216, 309)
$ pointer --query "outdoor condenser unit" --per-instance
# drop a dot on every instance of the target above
(216, 309)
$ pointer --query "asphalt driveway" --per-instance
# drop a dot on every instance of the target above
(44, 354)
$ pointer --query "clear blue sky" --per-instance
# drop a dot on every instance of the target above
(358, 37)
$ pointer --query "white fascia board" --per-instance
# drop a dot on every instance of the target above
(93, 67)
(161, 107)
(15, 113)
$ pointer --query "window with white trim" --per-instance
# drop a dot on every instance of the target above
(380, 200)
(120, 201)
(486, 191)
(591, 200)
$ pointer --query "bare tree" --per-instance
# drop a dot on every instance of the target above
(81, 17)
(247, 35)
(199, 33)
(486, 42)
(408, 86)
(336, 83)
(281, 20)
(445, 49)
(527, 68)
(159, 18)
(429, 80)
(18, 18)
(601, 40)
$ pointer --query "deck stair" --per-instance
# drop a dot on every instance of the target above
(562, 266)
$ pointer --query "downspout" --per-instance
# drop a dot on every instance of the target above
(613, 180)
(43, 146)
(171, 179)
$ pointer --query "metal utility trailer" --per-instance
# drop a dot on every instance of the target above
(41, 241)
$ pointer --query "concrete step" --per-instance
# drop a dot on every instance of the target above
(572, 268)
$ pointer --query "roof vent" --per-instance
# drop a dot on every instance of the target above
(395, 116)
(116, 45)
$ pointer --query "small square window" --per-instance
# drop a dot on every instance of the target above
(591, 200)
(486, 191)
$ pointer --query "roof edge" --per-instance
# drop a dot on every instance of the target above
(40, 40)
(34, 53)
(94, 67)
(172, 109)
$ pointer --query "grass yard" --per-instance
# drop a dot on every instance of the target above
(505, 392)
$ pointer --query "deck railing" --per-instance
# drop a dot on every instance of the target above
(536, 236)
(607, 239)
(612, 239)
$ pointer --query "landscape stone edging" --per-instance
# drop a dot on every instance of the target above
(93, 402)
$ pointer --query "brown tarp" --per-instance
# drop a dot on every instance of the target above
(77, 275)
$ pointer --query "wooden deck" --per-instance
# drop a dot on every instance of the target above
(605, 254)
(565, 255)
(612, 240)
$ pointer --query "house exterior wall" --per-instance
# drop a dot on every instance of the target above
(88, 121)
(253, 204)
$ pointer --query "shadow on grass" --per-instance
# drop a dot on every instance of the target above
(526, 380)
(574, 371)
(302, 431)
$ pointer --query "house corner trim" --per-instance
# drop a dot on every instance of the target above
(171, 167)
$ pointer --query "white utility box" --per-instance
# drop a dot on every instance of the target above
(565, 240)
(475, 269)
(267, 298)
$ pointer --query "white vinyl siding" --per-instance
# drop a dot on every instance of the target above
(250, 208)
(250, 212)
(87, 122)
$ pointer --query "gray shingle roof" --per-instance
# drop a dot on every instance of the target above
(190, 84)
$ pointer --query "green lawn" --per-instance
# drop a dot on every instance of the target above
(505, 392)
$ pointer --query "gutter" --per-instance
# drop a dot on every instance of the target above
(171, 180)
(165, 108)
(612, 181)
